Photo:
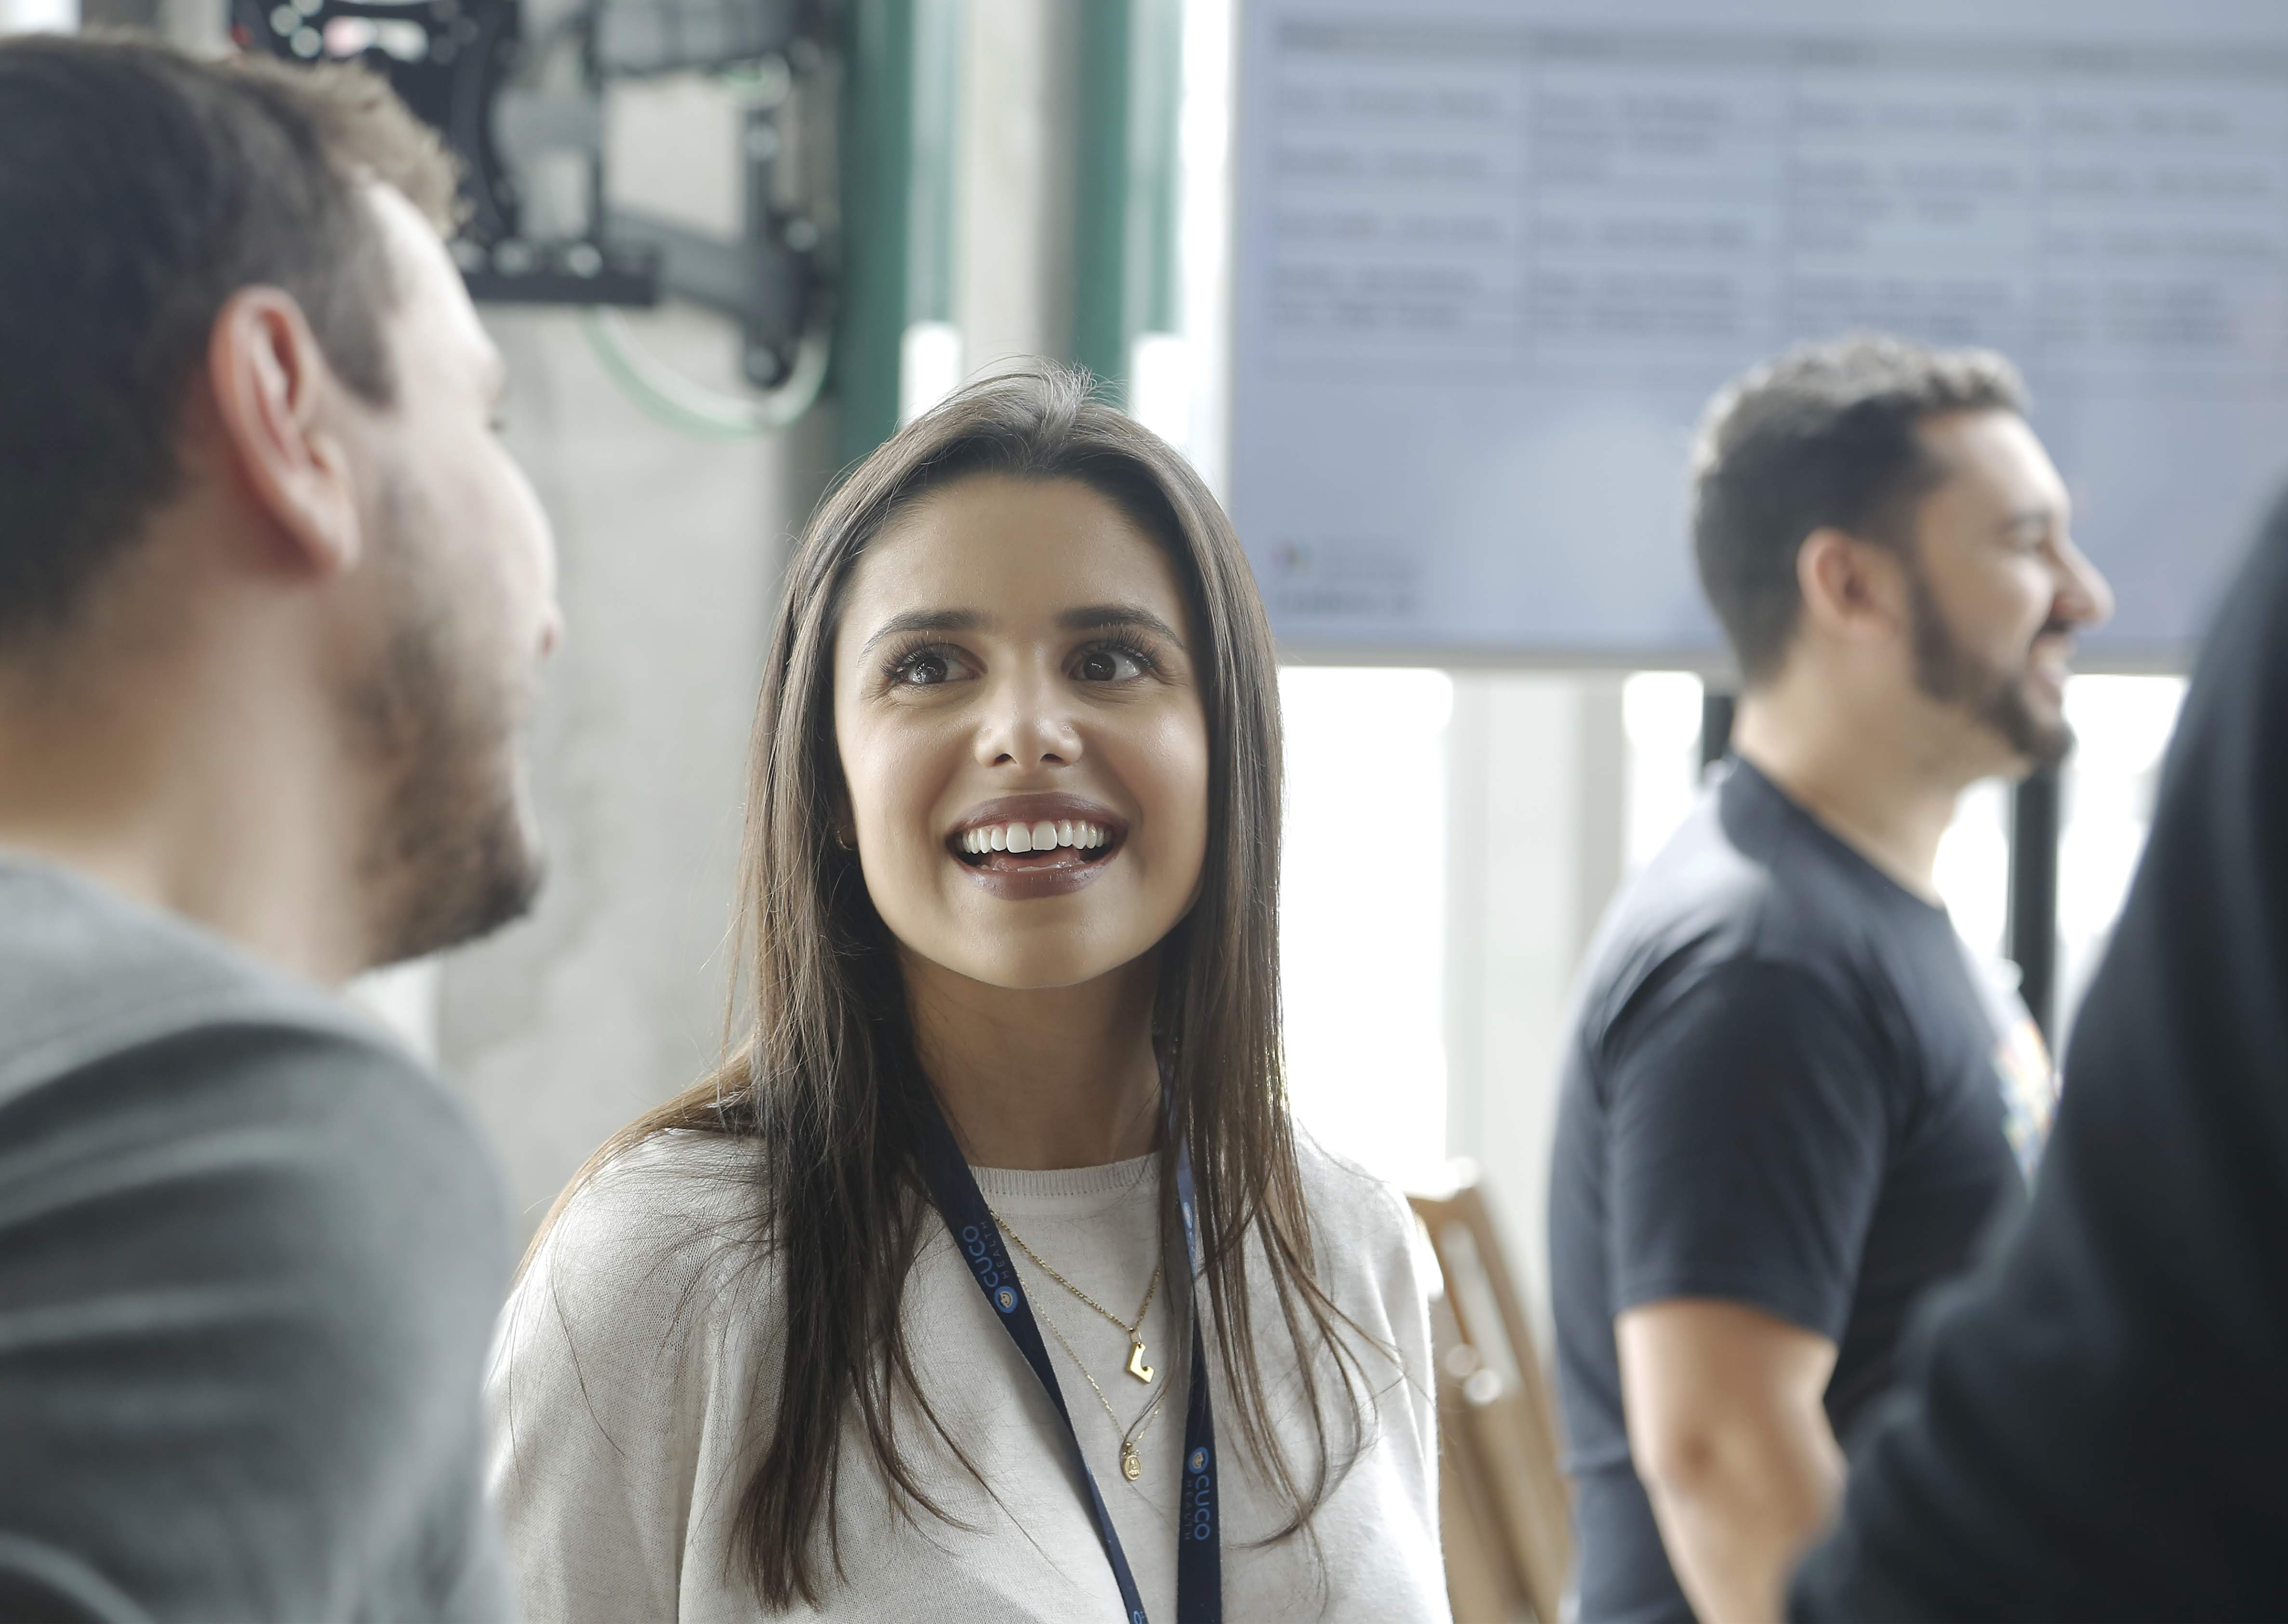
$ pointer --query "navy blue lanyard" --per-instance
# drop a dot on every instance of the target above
(1199, 1549)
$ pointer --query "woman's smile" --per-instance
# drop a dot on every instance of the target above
(1022, 847)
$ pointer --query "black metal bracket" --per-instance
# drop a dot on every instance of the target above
(452, 59)
(1718, 710)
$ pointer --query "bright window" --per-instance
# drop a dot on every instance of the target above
(1363, 898)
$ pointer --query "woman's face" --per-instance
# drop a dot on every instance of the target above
(1021, 733)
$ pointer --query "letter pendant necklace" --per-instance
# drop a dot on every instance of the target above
(1132, 1438)
(1132, 1330)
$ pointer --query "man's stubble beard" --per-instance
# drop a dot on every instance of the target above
(449, 855)
(1995, 699)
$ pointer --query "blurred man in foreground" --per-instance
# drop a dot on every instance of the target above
(273, 600)
(2093, 1426)
(1792, 1100)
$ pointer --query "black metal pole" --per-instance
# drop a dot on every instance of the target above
(2036, 812)
(1717, 709)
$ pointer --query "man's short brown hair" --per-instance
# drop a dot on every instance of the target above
(1825, 435)
(140, 189)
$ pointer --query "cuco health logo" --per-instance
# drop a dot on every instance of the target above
(974, 1244)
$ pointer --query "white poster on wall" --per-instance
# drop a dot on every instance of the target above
(1492, 257)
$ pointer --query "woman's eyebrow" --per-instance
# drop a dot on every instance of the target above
(1114, 617)
(931, 620)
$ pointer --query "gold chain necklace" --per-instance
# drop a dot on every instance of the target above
(1134, 1331)
(1132, 1438)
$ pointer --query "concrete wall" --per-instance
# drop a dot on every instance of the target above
(1013, 182)
(611, 997)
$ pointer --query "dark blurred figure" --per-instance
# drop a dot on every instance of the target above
(2094, 1425)
(272, 599)
(1792, 1100)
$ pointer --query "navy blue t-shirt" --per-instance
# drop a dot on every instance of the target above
(1789, 1086)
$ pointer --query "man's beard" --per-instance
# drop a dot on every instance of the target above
(449, 856)
(1995, 698)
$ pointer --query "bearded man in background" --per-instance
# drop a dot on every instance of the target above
(1792, 1100)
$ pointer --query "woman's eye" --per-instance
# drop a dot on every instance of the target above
(1109, 665)
(925, 668)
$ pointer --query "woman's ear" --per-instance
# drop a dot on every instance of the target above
(841, 821)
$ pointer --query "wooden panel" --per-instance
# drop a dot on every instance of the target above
(1482, 1582)
(1507, 1511)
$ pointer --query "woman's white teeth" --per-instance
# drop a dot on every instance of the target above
(1042, 836)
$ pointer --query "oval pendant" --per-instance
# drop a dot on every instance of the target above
(1131, 1464)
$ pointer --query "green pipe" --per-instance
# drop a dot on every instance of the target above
(937, 104)
(899, 107)
(1125, 218)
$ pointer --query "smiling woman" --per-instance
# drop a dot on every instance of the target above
(880, 1320)
(1011, 674)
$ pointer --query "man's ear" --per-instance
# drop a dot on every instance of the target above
(276, 402)
(1852, 588)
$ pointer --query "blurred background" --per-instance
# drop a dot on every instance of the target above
(1432, 297)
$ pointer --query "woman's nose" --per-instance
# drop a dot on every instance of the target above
(1030, 724)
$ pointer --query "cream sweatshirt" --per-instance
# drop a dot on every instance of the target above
(636, 1368)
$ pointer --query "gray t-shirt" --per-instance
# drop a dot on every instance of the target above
(250, 1253)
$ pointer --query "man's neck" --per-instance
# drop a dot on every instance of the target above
(1868, 779)
(217, 812)
(1065, 1077)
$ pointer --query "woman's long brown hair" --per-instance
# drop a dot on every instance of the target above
(825, 1084)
